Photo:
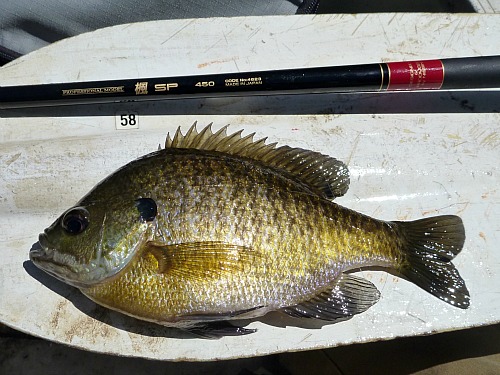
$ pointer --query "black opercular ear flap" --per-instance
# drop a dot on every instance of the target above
(147, 208)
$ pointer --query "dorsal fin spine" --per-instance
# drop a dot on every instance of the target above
(327, 176)
(191, 131)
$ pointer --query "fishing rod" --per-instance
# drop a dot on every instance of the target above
(445, 74)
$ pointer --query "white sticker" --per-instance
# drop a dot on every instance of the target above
(127, 120)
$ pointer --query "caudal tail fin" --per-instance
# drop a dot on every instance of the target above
(429, 245)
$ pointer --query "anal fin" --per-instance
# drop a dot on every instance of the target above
(349, 296)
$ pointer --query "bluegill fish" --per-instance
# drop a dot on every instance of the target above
(216, 227)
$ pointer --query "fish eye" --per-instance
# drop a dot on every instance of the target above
(76, 220)
(147, 208)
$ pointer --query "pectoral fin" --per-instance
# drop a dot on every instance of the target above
(201, 259)
(351, 295)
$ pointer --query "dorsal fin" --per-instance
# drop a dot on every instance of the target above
(327, 176)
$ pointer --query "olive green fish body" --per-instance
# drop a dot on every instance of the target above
(220, 227)
(298, 244)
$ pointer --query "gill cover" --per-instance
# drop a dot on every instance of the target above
(95, 240)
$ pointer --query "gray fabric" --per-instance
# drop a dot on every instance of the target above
(26, 25)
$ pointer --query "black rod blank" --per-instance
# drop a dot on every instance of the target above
(445, 74)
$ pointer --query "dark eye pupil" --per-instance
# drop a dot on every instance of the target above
(75, 221)
(74, 225)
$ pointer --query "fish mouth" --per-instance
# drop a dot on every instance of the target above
(43, 255)
(41, 249)
(62, 266)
